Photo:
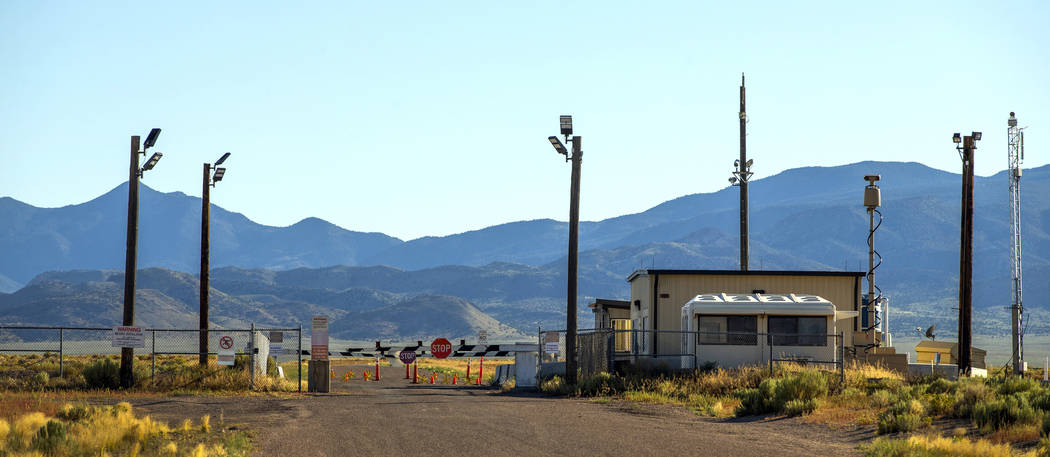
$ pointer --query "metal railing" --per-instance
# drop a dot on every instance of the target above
(692, 349)
(97, 341)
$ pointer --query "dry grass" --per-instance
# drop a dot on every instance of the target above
(845, 411)
(939, 446)
(1015, 434)
(114, 430)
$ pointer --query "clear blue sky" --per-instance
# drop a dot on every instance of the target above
(431, 118)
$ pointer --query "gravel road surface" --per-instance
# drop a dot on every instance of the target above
(394, 417)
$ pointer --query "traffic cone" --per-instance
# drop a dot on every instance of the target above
(333, 374)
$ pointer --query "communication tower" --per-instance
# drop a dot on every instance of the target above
(1015, 155)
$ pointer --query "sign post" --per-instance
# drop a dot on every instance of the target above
(320, 366)
(407, 357)
(441, 348)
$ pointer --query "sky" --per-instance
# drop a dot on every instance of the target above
(431, 118)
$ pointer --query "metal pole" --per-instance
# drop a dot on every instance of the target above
(574, 224)
(127, 355)
(966, 260)
(251, 355)
(204, 287)
(841, 340)
(744, 178)
(300, 358)
(61, 341)
(153, 369)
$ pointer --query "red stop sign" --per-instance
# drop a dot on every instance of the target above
(441, 348)
(407, 357)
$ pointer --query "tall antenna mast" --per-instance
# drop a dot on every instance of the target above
(1015, 155)
(743, 175)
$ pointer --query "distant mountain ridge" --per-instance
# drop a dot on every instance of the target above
(807, 218)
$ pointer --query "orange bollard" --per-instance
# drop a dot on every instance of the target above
(432, 375)
(415, 373)
(406, 372)
(468, 368)
(481, 370)
(454, 379)
(377, 369)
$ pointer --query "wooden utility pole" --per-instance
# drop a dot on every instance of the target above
(574, 224)
(966, 260)
(204, 287)
(127, 355)
(745, 169)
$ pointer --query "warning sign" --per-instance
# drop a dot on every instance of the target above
(129, 337)
(276, 343)
(319, 338)
(226, 354)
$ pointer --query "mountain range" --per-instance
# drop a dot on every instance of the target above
(509, 278)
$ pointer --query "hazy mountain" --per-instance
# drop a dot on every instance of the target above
(808, 218)
(91, 235)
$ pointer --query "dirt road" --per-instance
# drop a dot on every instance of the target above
(392, 417)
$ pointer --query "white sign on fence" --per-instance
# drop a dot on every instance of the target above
(276, 343)
(552, 348)
(227, 355)
(319, 338)
(129, 337)
(483, 337)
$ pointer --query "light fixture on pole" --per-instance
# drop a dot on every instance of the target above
(127, 354)
(969, 144)
(209, 182)
(565, 123)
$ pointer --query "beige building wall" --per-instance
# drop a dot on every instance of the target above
(676, 289)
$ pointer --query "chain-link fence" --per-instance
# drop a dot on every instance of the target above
(64, 352)
(673, 350)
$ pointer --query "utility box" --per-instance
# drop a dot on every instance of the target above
(262, 352)
(318, 376)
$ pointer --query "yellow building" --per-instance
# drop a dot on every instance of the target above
(657, 297)
(946, 352)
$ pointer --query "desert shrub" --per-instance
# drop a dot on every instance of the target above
(772, 395)
(883, 398)
(937, 446)
(554, 386)
(271, 366)
(942, 386)
(968, 395)
(38, 380)
(801, 407)
(1000, 413)
(102, 374)
(1040, 399)
(903, 416)
(50, 437)
(71, 413)
(1046, 424)
(1013, 385)
(601, 384)
(940, 404)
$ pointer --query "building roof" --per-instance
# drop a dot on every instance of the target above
(637, 273)
(607, 303)
(940, 346)
(755, 304)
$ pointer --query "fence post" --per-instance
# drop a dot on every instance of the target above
(539, 344)
(61, 339)
(251, 356)
(299, 368)
(153, 368)
(769, 342)
(842, 356)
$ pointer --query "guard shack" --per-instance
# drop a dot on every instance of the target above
(749, 329)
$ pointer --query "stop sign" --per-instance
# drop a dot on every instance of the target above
(441, 348)
(407, 357)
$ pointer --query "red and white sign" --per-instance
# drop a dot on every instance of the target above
(128, 337)
(226, 342)
(319, 338)
(441, 348)
(407, 357)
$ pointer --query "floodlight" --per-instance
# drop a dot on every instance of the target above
(153, 159)
(732, 180)
(749, 162)
(558, 146)
(956, 138)
(566, 124)
(872, 178)
(976, 136)
(151, 139)
(219, 172)
(222, 159)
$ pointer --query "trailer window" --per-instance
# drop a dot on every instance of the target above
(734, 330)
(798, 331)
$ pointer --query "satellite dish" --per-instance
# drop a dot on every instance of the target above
(929, 332)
